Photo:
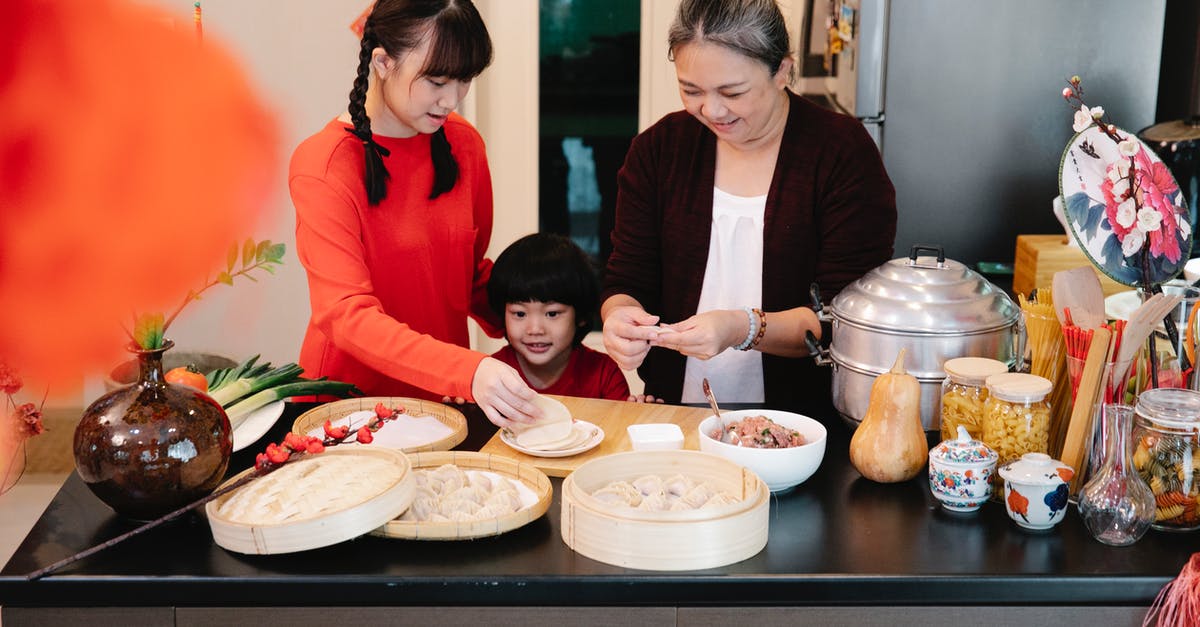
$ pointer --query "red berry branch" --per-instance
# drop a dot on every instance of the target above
(293, 447)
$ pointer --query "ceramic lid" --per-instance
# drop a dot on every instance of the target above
(973, 370)
(1170, 408)
(1017, 387)
(925, 294)
(1037, 469)
(963, 450)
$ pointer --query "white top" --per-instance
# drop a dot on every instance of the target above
(732, 280)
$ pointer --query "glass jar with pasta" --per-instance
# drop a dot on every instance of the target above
(964, 393)
(1016, 415)
(1166, 455)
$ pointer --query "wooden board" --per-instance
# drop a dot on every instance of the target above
(613, 417)
(1040, 256)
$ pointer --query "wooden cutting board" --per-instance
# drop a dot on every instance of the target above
(612, 417)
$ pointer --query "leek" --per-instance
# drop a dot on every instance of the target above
(240, 410)
(238, 385)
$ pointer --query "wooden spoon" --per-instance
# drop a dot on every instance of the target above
(1079, 290)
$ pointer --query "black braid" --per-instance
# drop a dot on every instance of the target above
(376, 176)
(445, 168)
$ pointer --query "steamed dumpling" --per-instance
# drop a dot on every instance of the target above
(620, 493)
(648, 484)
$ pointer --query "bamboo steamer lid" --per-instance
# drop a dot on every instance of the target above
(670, 540)
(313, 501)
(530, 476)
(314, 419)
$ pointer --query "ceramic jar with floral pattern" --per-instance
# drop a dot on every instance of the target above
(960, 472)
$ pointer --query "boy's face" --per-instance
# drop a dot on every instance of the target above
(541, 333)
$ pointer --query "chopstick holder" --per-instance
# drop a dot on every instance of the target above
(1079, 429)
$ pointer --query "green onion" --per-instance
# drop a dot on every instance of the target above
(254, 381)
(241, 409)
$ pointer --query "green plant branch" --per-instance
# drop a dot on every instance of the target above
(265, 264)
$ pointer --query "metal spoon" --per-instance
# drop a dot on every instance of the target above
(712, 400)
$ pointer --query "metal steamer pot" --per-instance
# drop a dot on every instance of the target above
(936, 308)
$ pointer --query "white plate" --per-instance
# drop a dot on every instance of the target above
(594, 439)
(1120, 306)
(256, 425)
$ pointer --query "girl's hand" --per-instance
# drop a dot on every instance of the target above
(628, 332)
(706, 335)
(643, 398)
(503, 395)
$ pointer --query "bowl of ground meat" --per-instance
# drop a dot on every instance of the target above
(783, 448)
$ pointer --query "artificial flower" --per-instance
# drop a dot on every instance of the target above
(1097, 113)
(1148, 219)
(1128, 148)
(1127, 213)
(1120, 190)
(1083, 119)
(1067, 93)
(1132, 243)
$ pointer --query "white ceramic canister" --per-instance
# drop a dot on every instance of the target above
(1036, 488)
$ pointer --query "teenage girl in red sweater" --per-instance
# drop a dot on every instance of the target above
(393, 216)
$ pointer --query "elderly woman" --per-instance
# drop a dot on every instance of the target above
(729, 210)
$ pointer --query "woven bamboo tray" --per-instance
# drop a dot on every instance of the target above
(314, 419)
(533, 478)
(681, 540)
(313, 501)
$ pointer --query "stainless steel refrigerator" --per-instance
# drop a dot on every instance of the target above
(964, 98)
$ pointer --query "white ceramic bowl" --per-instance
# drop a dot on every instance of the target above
(1191, 270)
(659, 436)
(779, 468)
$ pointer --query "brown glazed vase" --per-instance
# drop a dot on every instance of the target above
(152, 447)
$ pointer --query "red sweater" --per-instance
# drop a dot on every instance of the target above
(830, 217)
(391, 286)
(589, 374)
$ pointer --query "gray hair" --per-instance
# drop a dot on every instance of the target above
(754, 28)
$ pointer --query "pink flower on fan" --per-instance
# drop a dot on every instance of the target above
(1156, 187)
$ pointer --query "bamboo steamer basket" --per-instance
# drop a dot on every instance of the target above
(679, 540)
(314, 419)
(534, 479)
(313, 501)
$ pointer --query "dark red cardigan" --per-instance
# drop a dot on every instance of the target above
(830, 217)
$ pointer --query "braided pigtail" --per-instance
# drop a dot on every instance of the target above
(445, 168)
(376, 174)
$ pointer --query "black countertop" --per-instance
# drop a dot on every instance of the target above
(837, 539)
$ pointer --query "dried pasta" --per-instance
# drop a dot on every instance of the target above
(1170, 466)
(962, 406)
(1013, 429)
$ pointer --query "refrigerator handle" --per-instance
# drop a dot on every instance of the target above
(872, 58)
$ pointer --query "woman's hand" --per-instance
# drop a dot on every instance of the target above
(502, 394)
(643, 398)
(628, 331)
(706, 335)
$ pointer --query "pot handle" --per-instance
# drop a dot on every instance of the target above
(915, 251)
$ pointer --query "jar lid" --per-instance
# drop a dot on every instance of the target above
(1170, 407)
(925, 294)
(963, 450)
(973, 370)
(1017, 387)
(1037, 469)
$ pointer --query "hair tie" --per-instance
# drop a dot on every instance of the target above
(368, 140)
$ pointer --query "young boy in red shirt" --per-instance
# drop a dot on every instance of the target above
(544, 289)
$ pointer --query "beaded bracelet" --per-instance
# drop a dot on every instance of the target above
(750, 334)
(762, 327)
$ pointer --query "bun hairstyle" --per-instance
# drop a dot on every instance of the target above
(460, 49)
(545, 267)
(754, 28)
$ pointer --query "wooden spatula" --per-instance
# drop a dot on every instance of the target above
(1079, 289)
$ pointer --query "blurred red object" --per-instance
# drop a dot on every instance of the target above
(130, 157)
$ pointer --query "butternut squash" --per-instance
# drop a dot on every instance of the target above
(889, 445)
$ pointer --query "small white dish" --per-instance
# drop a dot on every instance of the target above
(659, 436)
(594, 436)
(257, 424)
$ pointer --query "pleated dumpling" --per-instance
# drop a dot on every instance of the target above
(678, 485)
(649, 484)
(620, 494)
(698, 496)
